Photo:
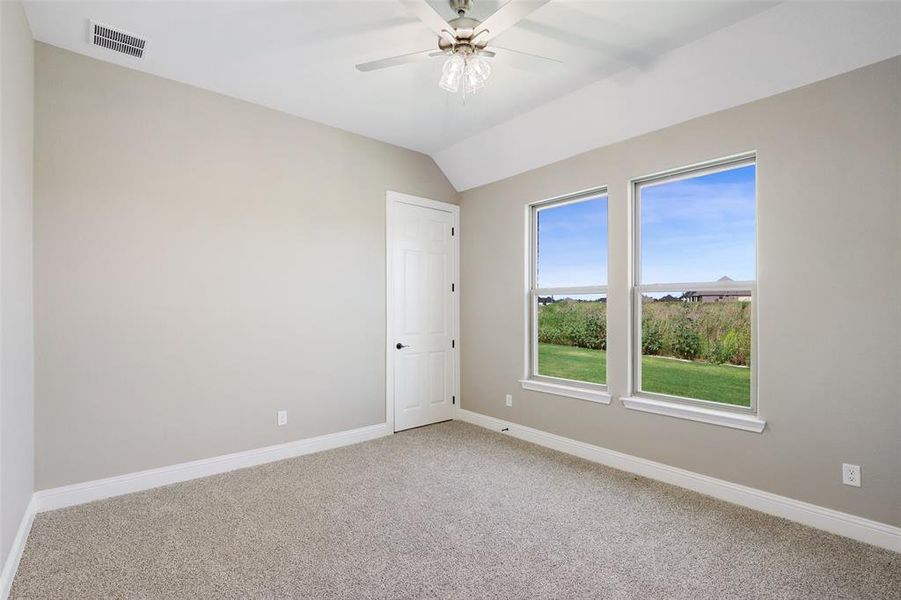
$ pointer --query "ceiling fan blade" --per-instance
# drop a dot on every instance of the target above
(526, 61)
(425, 13)
(506, 17)
(397, 60)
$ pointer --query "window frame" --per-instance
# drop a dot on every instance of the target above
(637, 288)
(585, 390)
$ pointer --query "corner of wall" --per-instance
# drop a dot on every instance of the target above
(16, 276)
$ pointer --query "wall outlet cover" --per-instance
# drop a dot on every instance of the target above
(851, 475)
(282, 417)
(509, 400)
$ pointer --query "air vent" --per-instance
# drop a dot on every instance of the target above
(117, 41)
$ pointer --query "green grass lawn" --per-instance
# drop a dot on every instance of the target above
(705, 381)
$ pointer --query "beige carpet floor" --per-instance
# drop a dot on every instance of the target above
(447, 511)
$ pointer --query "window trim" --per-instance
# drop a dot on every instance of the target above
(681, 410)
(565, 389)
(533, 381)
(672, 405)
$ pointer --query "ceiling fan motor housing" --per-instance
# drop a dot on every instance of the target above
(464, 27)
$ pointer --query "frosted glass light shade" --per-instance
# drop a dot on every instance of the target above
(471, 81)
(452, 73)
(470, 69)
(481, 67)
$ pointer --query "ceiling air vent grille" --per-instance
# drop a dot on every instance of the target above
(117, 41)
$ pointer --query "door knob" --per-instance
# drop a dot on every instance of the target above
(399, 346)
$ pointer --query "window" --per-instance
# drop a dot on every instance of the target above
(694, 286)
(568, 295)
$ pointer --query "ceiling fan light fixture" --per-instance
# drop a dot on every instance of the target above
(480, 67)
(470, 69)
(452, 73)
(472, 81)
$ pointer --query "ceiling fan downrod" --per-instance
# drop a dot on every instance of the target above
(460, 6)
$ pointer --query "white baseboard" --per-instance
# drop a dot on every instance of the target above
(858, 528)
(15, 552)
(833, 521)
(99, 489)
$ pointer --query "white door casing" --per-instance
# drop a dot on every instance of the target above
(422, 311)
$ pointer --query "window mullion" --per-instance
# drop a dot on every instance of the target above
(696, 286)
(533, 335)
(559, 291)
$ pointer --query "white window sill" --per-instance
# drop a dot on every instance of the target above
(566, 390)
(696, 413)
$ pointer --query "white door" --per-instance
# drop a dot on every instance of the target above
(422, 255)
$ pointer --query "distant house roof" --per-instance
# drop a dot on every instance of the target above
(718, 293)
(721, 293)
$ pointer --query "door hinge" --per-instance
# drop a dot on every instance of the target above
(453, 399)
(452, 231)
(452, 287)
(453, 343)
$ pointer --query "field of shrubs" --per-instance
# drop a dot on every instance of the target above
(715, 332)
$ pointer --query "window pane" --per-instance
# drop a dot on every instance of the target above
(699, 228)
(697, 345)
(572, 337)
(572, 244)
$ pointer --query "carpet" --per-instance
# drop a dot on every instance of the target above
(445, 511)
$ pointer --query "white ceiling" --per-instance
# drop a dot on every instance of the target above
(622, 61)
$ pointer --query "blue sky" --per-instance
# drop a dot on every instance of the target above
(697, 229)
(572, 244)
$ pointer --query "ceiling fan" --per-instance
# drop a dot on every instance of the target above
(464, 42)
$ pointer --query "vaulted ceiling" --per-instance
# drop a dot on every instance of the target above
(628, 67)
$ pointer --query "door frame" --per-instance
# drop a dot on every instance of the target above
(391, 200)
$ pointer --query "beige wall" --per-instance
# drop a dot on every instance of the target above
(16, 314)
(829, 293)
(201, 263)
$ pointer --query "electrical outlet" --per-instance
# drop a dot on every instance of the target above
(282, 417)
(509, 400)
(851, 475)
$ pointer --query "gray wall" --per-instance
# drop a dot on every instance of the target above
(829, 292)
(201, 263)
(16, 314)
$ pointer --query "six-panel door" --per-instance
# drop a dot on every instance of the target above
(423, 267)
